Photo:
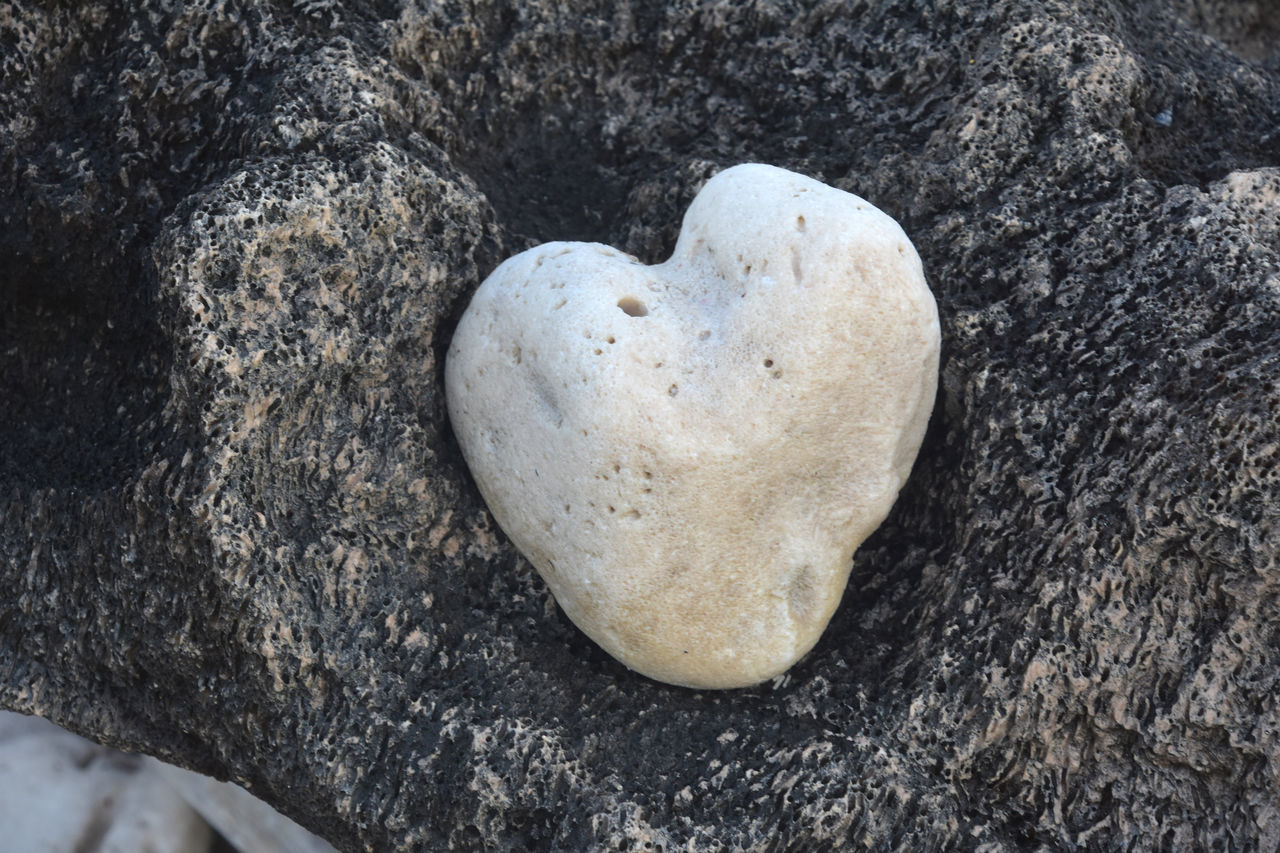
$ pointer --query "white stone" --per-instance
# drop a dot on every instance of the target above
(59, 792)
(689, 453)
(247, 823)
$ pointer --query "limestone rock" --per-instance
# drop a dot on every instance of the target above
(689, 453)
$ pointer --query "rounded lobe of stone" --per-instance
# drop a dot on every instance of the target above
(689, 453)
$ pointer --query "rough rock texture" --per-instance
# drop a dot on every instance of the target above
(235, 531)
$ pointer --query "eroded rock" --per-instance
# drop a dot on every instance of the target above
(689, 453)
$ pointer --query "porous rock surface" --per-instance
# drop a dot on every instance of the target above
(235, 531)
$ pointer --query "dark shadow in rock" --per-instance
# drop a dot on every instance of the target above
(84, 379)
(564, 192)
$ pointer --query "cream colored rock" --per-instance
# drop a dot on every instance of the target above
(689, 453)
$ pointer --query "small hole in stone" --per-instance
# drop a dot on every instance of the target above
(610, 340)
(704, 334)
(611, 509)
(632, 307)
(673, 390)
(768, 362)
(777, 374)
(799, 223)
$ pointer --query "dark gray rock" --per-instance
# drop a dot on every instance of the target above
(235, 531)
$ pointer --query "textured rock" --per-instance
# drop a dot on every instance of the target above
(235, 530)
(689, 453)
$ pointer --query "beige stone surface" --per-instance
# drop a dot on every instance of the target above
(689, 453)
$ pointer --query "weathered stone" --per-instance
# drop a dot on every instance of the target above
(689, 453)
(235, 530)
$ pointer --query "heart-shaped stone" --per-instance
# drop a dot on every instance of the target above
(689, 453)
